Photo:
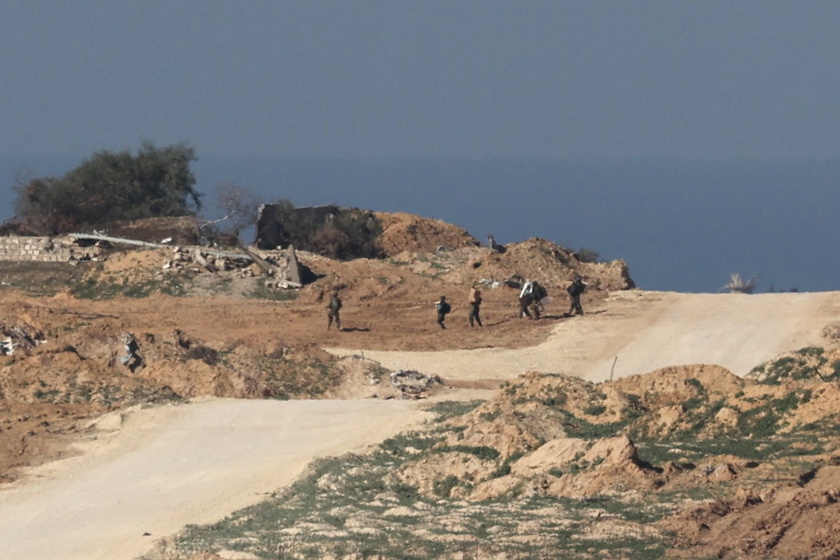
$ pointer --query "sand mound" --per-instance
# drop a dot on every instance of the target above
(795, 521)
(402, 232)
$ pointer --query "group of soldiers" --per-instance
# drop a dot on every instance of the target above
(443, 308)
(531, 296)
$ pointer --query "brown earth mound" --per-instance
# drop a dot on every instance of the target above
(797, 520)
(553, 265)
(674, 431)
(403, 232)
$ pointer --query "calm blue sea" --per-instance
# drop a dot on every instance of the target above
(681, 226)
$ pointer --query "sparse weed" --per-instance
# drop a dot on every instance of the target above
(803, 366)
(811, 351)
(261, 291)
(483, 452)
(94, 289)
(443, 487)
(446, 410)
(595, 409)
(344, 507)
(203, 353)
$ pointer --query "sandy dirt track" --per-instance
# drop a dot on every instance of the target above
(195, 463)
(155, 470)
(643, 331)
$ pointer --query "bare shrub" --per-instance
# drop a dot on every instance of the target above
(585, 255)
(204, 353)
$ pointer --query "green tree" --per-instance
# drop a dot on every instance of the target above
(110, 187)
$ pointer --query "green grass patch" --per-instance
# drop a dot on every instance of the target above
(483, 452)
(95, 289)
(804, 365)
(595, 409)
(579, 428)
(446, 410)
(40, 278)
(261, 291)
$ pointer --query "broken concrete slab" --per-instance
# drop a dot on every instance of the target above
(413, 384)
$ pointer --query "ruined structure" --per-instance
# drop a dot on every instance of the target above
(48, 249)
(274, 231)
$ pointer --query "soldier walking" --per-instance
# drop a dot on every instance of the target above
(575, 289)
(442, 307)
(333, 309)
(475, 307)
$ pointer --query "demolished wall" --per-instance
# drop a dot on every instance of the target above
(45, 249)
(272, 232)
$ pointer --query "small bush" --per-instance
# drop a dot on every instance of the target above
(445, 410)
(443, 488)
(504, 470)
(595, 409)
(585, 255)
(835, 371)
(273, 294)
(483, 452)
(553, 397)
(204, 353)
(634, 408)
(694, 382)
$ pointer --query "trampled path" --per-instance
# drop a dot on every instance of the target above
(636, 332)
(156, 470)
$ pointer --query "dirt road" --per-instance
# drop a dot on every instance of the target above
(162, 468)
(642, 331)
(158, 469)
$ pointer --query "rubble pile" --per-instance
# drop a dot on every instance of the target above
(16, 336)
(413, 384)
(281, 266)
(199, 258)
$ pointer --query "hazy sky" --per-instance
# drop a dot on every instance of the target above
(554, 79)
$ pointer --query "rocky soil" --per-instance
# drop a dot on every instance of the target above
(224, 334)
(684, 461)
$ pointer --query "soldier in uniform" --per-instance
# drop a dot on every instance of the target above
(442, 307)
(475, 307)
(333, 309)
(575, 289)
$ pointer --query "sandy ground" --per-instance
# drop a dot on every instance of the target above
(155, 470)
(637, 332)
(149, 474)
